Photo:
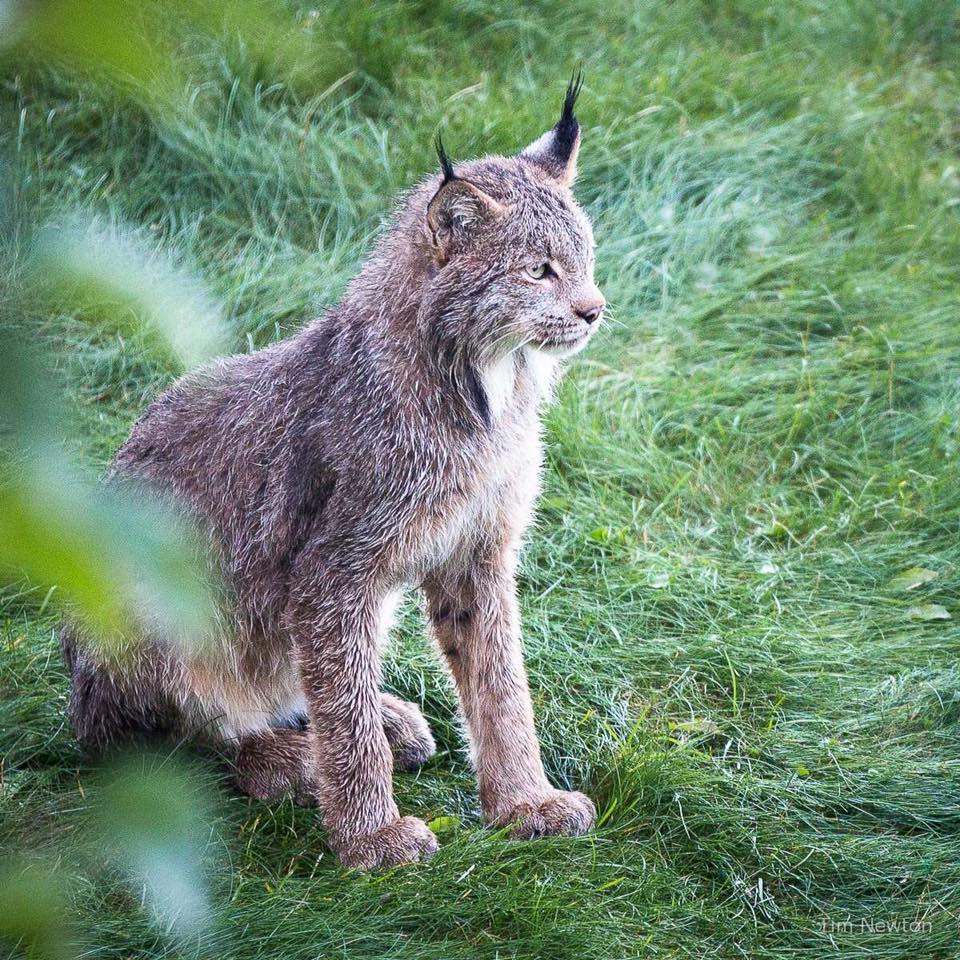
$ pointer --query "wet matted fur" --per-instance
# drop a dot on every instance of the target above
(393, 442)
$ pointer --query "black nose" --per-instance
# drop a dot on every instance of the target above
(591, 314)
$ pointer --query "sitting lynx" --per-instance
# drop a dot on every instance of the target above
(393, 442)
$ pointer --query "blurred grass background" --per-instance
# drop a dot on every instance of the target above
(740, 599)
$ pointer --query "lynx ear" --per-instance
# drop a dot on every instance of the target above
(456, 207)
(555, 153)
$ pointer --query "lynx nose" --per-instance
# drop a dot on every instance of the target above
(590, 311)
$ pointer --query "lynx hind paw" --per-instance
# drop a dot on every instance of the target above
(562, 814)
(405, 840)
(408, 734)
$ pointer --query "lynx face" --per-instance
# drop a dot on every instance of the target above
(543, 291)
(507, 233)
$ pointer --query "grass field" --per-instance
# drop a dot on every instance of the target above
(737, 601)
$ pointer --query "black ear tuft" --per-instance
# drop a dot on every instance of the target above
(555, 153)
(567, 128)
(456, 207)
(445, 165)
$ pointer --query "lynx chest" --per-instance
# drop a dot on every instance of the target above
(483, 495)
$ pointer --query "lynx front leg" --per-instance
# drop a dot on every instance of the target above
(336, 622)
(475, 619)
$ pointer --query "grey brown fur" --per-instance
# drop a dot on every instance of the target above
(394, 442)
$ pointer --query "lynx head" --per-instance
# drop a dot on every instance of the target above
(511, 252)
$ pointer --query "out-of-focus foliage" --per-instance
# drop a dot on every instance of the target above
(112, 278)
(120, 563)
(152, 822)
(127, 44)
(34, 909)
(123, 562)
(148, 835)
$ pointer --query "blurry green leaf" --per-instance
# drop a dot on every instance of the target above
(801, 770)
(154, 822)
(50, 533)
(33, 911)
(929, 611)
(109, 274)
(912, 578)
(118, 560)
(118, 556)
(97, 37)
(125, 43)
(441, 825)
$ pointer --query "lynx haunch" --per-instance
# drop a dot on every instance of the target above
(393, 442)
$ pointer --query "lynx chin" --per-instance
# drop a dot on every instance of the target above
(392, 443)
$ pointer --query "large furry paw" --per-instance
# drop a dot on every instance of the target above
(407, 733)
(561, 813)
(405, 840)
(272, 762)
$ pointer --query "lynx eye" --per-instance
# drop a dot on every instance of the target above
(540, 271)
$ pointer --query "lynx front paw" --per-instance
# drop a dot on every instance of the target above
(561, 813)
(405, 840)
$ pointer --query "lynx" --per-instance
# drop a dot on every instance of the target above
(394, 442)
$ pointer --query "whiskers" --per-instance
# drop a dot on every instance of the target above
(513, 335)
(610, 317)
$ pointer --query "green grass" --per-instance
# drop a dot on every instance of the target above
(765, 436)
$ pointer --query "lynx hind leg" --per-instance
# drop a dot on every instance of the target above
(274, 762)
(279, 760)
(109, 709)
(408, 733)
